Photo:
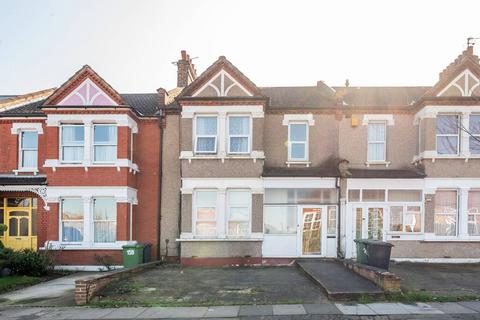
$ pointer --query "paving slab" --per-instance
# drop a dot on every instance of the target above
(420, 308)
(338, 281)
(256, 310)
(321, 308)
(19, 312)
(474, 305)
(355, 309)
(451, 307)
(387, 308)
(222, 311)
(125, 313)
(170, 312)
(76, 313)
(288, 309)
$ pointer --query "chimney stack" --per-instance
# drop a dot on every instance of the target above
(186, 72)
(161, 96)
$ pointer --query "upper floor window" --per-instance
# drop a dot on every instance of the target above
(72, 143)
(239, 206)
(105, 219)
(448, 137)
(205, 213)
(239, 138)
(28, 149)
(104, 143)
(206, 134)
(298, 141)
(474, 124)
(376, 150)
(446, 211)
(72, 214)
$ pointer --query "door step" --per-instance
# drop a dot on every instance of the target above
(338, 282)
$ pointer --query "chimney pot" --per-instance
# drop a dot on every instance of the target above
(183, 54)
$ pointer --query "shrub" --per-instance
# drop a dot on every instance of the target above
(29, 263)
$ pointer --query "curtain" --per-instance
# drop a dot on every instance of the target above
(105, 231)
(72, 153)
(445, 221)
(474, 213)
(239, 125)
(105, 216)
(205, 144)
(105, 134)
(105, 153)
(73, 135)
(29, 158)
(72, 231)
(376, 151)
(206, 125)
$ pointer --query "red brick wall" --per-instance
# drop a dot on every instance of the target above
(87, 257)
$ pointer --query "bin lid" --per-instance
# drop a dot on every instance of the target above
(372, 242)
(133, 246)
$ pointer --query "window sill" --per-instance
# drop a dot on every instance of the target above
(383, 163)
(254, 155)
(432, 155)
(302, 163)
(119, 163)
(219, 240)
(26, 170)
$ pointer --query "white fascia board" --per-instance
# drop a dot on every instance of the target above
(189, 184)
(121, 194)
(122, 120)
(385, 183)
(255, 110)
(453, 183)
(31, 126)
(296, 183)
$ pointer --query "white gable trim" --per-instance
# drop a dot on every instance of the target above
(88, 83)
(287, 118)
(465, 91)
(222, 91)
(30, 126)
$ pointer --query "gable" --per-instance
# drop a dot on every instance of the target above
(466, 84)
(87, 94)
(222, 85)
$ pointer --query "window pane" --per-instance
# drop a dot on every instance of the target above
(447, 145)
(376, 151)
(300, 196)
(34, 222)
(105, 231)
(298, 132)
(280, 220)
(206, 198)
(445, 213)
(297, 151)
(239, 213)
(475, 145)
(413, 219)
(29, 140)
(105, 153)
(73, 135)
(29, 158)
(239, 125)
(239, 144)
(332, 220)
(72, 209)
(206, 144)
(206, 213)
(396, 218)
(24, 227)
(405, 195)
(373, 195)
(238, 198)
(105, 134)
(105, 209)
(447, 124)
(13, 227)
(474, 124)
(72, 231)
(18, 202)
(206, 125)
(376, 132)
(205, 228)
(474, 213)
(236, 228)
(72, 153)
(353, 195)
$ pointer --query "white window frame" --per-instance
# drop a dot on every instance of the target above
(61, 220)
(384, 142)
(104, 144)
(405, 206)
(475, 214)
(93, 219)
(196, 136)
(457, 216)
(62, 145)
(458, 135)
(195, 215)
(476, 135)
(247, 205)
(306, 142)
(249, 136)
(21, 149)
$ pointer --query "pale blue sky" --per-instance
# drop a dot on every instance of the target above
(131, 44)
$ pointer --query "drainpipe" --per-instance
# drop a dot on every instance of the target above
(339, 215)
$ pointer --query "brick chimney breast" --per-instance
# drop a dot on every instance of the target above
(185, 70)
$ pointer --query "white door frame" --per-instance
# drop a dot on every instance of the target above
(323, 234)
(365, 207)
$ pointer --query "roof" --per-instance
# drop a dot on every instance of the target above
(300, 172)
(29, 109)
(380, 97)
(300, 97)
(17, 180)
(386, 173)
(5, 97)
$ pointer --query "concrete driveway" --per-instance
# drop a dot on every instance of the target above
(57, 292)
(439, 279)
(176, 286)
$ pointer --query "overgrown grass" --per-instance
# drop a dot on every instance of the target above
(13, 282)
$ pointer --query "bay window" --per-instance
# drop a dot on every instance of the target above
(206, 134)
(448, 134)
(72, 219)
(238, 213)
(297, 141)
(28, 149)
(239, 138)
(72, 143)
(446, 212)
(104, 143)
(376, 149)
(474, 126)
(105, 219)
(474, 213)
(205, 213)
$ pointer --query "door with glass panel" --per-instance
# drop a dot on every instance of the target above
(19, 216)
(317, 226)
(369, 222)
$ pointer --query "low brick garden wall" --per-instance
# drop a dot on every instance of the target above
(386, 280)
(86, 288)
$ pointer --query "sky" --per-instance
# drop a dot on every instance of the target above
(132, 44)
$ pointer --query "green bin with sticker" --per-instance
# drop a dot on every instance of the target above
(132, 255)
(362, 257)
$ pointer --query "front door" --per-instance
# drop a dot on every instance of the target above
(369, 221)
(312, 230)
(18, 216)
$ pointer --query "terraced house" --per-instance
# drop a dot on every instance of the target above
(221, 171)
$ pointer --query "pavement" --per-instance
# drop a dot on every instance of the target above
(449, 310)
(57, 292)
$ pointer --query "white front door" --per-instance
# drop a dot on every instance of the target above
(312, 233)
(370, 222)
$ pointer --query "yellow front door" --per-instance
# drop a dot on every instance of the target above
(18, 216)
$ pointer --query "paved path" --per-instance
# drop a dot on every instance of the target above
(57, 292)
(468, 310)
